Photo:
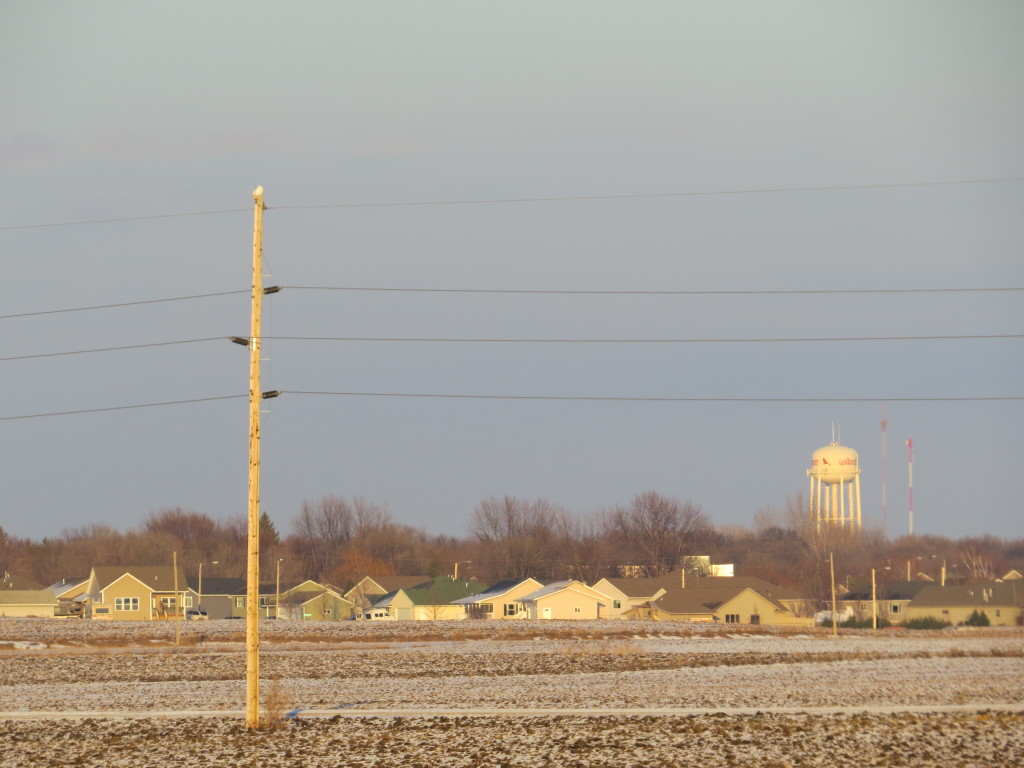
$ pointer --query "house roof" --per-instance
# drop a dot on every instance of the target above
(976, 595)
(496, 590)
(222, 585)
(13, 581)
(636, 588)
(559, 586)
(440, 591)
(159, 578)
(892, 590)
(706, 599)
(395, 583)
(66, 585)
(27, 597)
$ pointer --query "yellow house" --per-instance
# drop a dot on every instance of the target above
(1000, 602)
(431, 601)
(502, 600)
(312, 602)
(137, 593)
(369, 589)
(565, 600)
(731, 605)
(628, 598)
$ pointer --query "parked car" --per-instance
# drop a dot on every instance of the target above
(193, 614)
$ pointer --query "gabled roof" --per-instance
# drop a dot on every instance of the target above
(496, 590)
(394, 583)
(222, 585)
(440, 591)
(639, 588)
(707, 599)
(308, 595)
(27, 597)
(13, 581)
(976, 595)
(892, 590)
(159, 578)
(561, 586)
(67, 585)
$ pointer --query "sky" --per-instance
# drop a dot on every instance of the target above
(747, 160)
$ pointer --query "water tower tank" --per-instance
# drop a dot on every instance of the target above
(834, 463)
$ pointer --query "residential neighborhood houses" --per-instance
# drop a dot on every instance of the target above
(152, 593)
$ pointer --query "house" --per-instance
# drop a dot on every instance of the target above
(729, 599)
(319, 603)
(731, 605)
(628, 598)
(565, 600)
(272, 595)
(892, 599)
(1000, 602)
(22, 598)
(72, 596)
(370, 589)
(137, 592)
(219, 596)
(430, 601)
(502, 600)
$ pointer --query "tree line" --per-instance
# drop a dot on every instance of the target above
(338, 540)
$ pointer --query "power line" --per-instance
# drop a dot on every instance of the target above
(599, 292)
(651, 195)
(119, 408)
(552, 398)
(538, 199)
(110, 349)
(578, 398)
(121, 304)
(124, 218)
(756, 340)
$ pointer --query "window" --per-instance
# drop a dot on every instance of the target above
(945, 611)
(327, 611)
(511, 609)
(188, 601)
(755, 619)
(577, 610)
(239, 602)
(486, 608)
(616, 604)
(126, 603)
(264, 600)
(732, 618)
(168, 601)
(894, 608)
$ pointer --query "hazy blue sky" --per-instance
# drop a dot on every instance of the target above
(812, 130)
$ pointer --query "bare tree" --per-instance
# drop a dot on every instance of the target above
(321, 529)
(659, 530)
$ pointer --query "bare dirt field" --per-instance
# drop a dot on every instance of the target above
(490, 693)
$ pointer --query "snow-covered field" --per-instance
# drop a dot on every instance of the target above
(958, 683)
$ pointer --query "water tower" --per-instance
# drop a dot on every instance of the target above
(835, 487)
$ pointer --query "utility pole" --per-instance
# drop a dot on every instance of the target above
(252, 603)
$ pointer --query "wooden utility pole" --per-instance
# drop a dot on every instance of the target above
(252, 603)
